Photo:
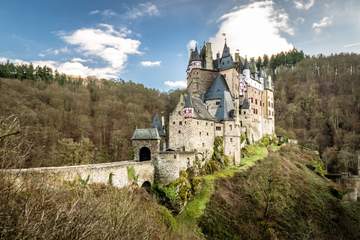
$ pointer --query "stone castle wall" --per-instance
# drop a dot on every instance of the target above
(115, 173)
(199, 81)
(169, 164)
(188, 134)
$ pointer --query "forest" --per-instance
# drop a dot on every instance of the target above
(318, 102)
(64, 120)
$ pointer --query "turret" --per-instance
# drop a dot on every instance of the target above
(194, 61)
(246, 70)
(206, 56)
(226, 58)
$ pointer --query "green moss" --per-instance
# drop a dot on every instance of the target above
(132, 174)
(195, 208)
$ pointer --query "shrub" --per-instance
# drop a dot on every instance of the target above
(73, 212)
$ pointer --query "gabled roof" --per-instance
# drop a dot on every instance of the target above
(225, 107)
(217, 88)
(220, 90)
(200, 110)
(146, 134)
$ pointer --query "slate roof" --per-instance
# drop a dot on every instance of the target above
(217, 88)
(225, 108)
(220, 90)
(146, 134)
(156, 123)
(200, 110)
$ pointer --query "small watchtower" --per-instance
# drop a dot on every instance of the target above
(146, 144)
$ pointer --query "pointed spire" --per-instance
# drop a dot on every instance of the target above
(194, 55)
(226, 50)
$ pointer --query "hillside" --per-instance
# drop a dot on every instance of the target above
(282, 197)
(68, 122)
(318, 102)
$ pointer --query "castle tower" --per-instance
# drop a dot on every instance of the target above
(246, 70)
(194, 61)
(206, 56)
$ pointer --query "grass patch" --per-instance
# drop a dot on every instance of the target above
(195, 208)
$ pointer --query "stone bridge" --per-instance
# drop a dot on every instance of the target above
(118, 174)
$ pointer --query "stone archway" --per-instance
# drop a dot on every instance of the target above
(147, 186)
(144, 154)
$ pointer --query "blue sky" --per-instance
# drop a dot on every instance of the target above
(148, 41)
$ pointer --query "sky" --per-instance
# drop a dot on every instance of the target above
(148, 42)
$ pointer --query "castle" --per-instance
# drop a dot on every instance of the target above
(226, 97)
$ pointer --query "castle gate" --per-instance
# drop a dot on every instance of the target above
(144, 154)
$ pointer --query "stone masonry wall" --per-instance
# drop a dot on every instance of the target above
(153, 145)
(188, 134)
(95, 173)
(169, 164)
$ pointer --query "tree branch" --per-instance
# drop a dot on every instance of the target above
(9, 134)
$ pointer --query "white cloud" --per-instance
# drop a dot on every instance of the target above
(111, 45)
(324, 22)
(175, 84)
(191, 45)
(103, 43)
(104, 13)
(350, 45)
(55, 51)
(76, 68)
(79, 60)
(304, 4)
(93, 12)
(15, 61)
(150, 63)
(143, 9)
(255, 29)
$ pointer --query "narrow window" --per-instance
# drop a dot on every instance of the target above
(230, 127)
(180, 123)
(203, 144)
(173, 122)
(199, 133)
(230, 139)
(179, 131)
